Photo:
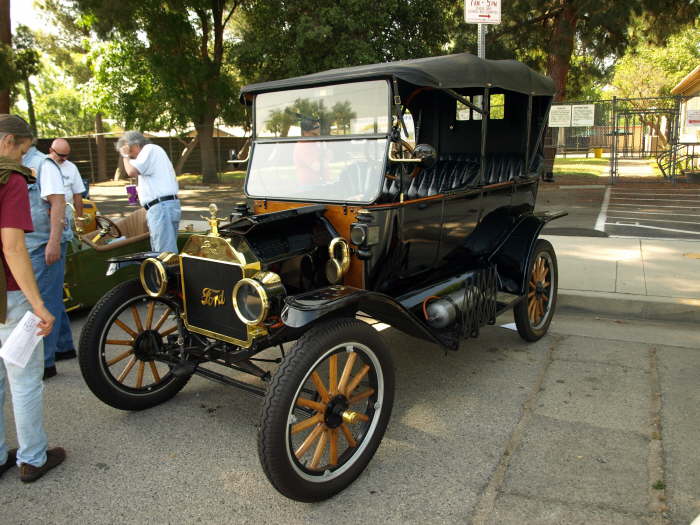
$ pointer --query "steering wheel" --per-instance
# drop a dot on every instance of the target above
(416, 170)
(107, 227)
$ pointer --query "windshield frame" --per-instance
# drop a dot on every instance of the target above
(329, 138)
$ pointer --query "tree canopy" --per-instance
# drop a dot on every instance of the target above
(176, 55)
(281, 39)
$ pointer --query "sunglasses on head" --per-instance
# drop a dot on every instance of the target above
(62, 155)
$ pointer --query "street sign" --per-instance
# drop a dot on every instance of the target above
(582, 114)
(482, 11)
(560, 116)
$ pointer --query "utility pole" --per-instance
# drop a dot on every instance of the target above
(5, 39)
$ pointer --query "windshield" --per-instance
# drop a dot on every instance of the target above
(330, 170)
(360, 108)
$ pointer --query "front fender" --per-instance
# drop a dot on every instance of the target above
(306, 308)
(116, 263)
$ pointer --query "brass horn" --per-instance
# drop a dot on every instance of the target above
(335, 268)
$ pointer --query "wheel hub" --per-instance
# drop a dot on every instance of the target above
(147, 345)
(539, 288)
(334, 411)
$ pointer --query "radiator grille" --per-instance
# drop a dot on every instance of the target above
(208, 286)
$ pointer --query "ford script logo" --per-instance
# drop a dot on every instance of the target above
(211, 297)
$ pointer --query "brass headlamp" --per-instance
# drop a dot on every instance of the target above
(154, 274)
(256, 298)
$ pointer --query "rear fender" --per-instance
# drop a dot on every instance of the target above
(307, 308)
(512, 256)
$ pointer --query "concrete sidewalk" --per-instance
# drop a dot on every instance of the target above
(642, 278)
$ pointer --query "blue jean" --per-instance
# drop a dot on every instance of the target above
(65, 334)
(27, 391)
(50, 281)
(163, 220)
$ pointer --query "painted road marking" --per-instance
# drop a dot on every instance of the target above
(653, 228)
(600, 222)
(641, 212)
(652, 220)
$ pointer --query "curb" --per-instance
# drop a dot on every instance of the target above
(629, 305)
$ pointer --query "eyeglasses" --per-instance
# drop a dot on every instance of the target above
(62, 155)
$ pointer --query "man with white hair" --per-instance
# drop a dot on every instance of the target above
(157, 188)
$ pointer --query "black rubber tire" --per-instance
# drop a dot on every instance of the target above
(92, 366)
(520, 312)
(272, 436)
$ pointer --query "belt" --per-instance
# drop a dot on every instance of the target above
(160, 199)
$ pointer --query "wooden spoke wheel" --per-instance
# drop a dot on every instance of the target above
(326, 410)
(534, 314)
(120, 345)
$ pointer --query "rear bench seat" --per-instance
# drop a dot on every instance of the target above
(455, 171)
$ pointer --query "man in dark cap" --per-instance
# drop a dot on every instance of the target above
(18, 295)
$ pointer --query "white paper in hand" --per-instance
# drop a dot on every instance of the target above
(18, 347)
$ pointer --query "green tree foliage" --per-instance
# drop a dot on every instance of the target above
(279, 38)
(176, 51)
(650, 70)
(26, 64)
(570, 40)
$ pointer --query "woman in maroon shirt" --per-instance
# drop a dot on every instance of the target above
(18, 294)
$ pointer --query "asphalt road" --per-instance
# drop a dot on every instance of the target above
(576, 428)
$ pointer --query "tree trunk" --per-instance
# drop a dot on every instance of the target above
(561, 48)
(101, 148)
(189, 148)
(205, 132)
(5, 38)
(30, 106)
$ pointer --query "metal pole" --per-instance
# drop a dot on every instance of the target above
(481, 48)
(613, 145)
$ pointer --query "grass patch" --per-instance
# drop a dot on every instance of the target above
(659, 485)
(591, 167)
(226, 177)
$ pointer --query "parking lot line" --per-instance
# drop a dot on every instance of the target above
(675, 230)
(657, 206)
(653, 220)
(670, 214)
(600, 222)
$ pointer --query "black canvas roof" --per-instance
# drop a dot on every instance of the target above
(447, 72)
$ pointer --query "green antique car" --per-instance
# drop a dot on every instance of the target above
(89, 256)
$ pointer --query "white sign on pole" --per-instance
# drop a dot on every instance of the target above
(560, 116)
(482, 11)
(582, 114)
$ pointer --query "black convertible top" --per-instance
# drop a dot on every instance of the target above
(447, 72)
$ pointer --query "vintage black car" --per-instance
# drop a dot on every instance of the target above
(346, 223)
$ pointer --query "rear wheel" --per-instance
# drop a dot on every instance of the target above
(326, 410)
(534, 314)
(119, 345)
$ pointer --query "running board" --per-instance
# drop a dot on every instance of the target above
(225, 380)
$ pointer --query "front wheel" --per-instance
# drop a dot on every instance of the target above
(534, 313)
(326, 410)
(120, 344)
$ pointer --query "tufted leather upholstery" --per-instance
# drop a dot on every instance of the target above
(457, 171)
